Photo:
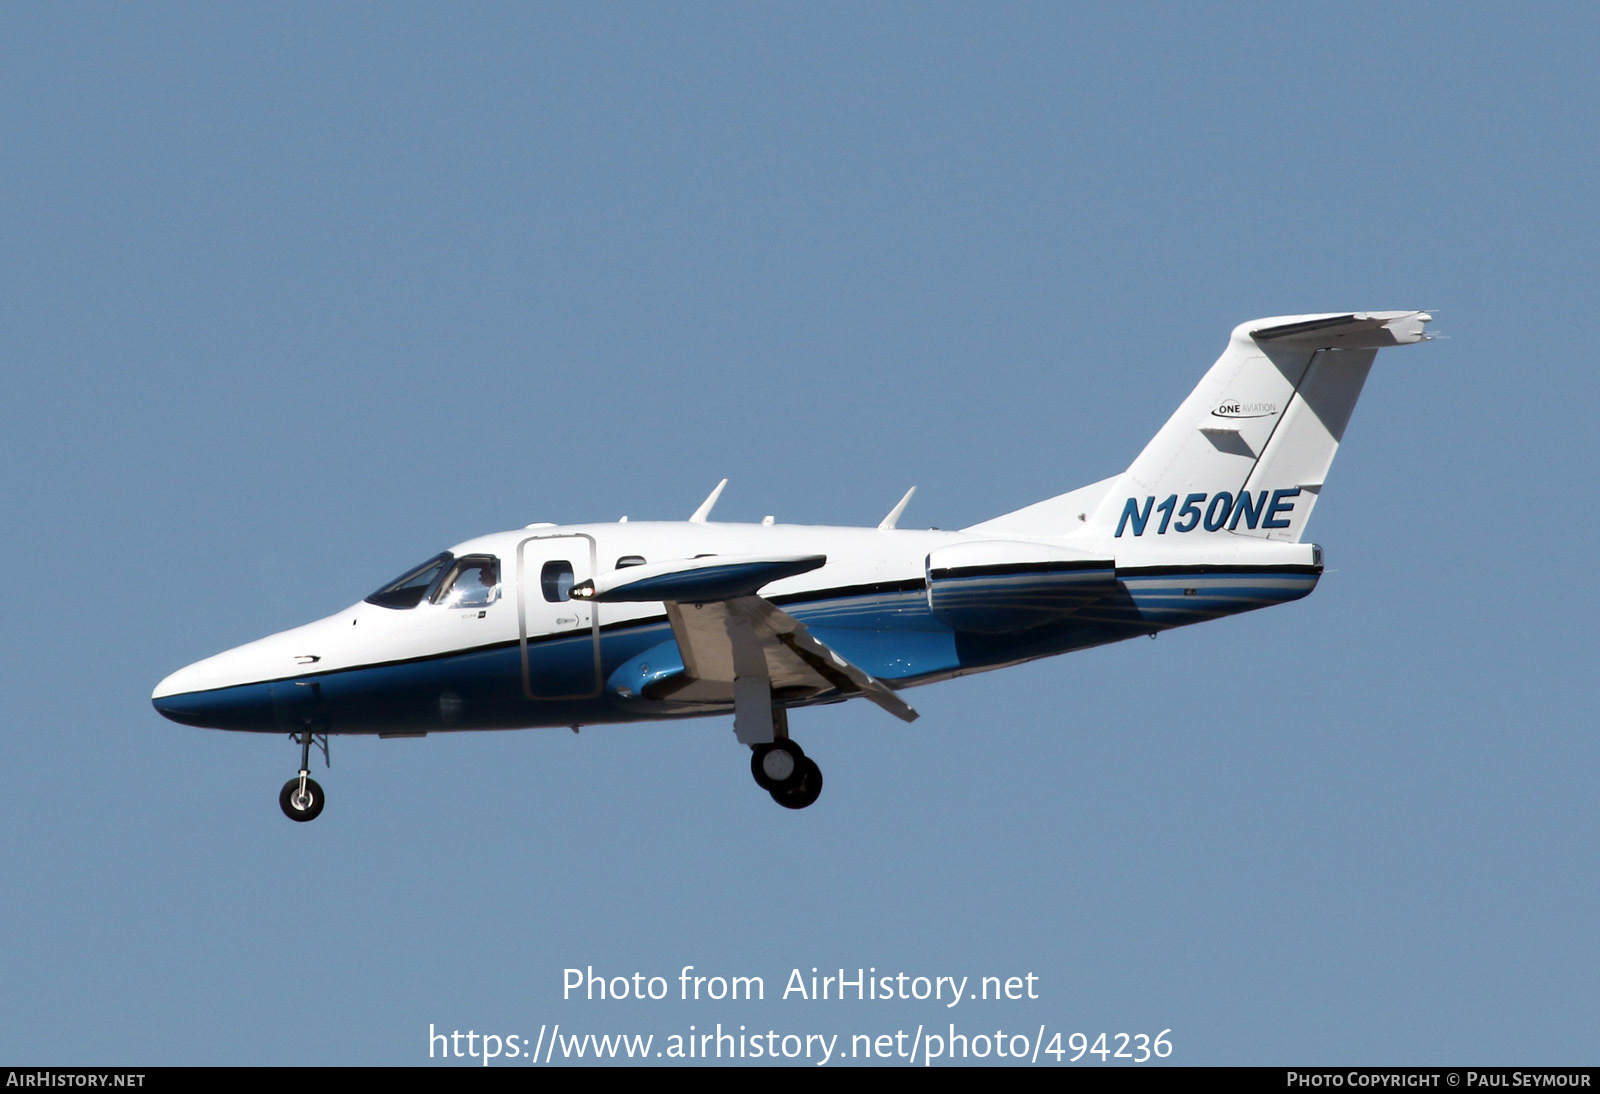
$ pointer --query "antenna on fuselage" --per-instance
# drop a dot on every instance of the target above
(888, 522)
(704, 511)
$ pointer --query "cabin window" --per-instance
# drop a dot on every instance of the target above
(473, 582)
(630, 560)
(407, 590)
(556, 580)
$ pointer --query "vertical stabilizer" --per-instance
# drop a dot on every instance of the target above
(1248, 451)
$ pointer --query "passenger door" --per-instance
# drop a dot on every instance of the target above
(559, 638)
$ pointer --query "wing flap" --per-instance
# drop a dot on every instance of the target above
(736, 646)
(714, 638)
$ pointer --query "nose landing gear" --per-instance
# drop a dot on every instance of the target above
(301, 799)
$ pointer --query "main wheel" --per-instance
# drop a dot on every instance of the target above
(806, 790)
(777, 765)
(297, 806)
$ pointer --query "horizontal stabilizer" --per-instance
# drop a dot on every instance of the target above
(1357, 330)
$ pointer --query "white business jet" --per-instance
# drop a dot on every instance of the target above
(632, 621)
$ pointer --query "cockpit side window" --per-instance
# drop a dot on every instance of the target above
(473, 582)
(407, 590)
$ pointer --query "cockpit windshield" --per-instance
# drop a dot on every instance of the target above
(473, 582)
(408, 590)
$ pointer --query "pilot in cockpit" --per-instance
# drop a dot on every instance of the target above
(474, 584)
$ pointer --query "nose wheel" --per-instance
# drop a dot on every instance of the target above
(301, 798)
(781, 769)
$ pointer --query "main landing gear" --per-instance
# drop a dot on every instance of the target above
(777, 763)
(301, 798)
(781, 769)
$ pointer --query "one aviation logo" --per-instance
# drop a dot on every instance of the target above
(1233, 409)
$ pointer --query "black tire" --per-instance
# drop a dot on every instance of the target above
(804, 792)
(767, 765)
(304, 811)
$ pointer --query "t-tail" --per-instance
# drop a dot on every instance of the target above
(1248, 451)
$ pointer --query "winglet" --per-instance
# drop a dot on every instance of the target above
(704, 511)
(888, 522)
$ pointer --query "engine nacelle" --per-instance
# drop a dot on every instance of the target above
(1003, 586)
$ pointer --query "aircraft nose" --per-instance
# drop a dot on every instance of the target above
(170, 707)
(196, 696)
(186, 679)
(177, 696)
(253, 686)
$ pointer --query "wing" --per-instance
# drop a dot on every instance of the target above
(737, 646)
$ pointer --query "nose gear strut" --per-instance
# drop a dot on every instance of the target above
(301, 799)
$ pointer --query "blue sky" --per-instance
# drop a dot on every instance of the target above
(296, 296)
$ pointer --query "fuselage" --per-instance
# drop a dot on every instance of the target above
(491, 640)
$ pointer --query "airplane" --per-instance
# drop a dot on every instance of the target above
(551, 626)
